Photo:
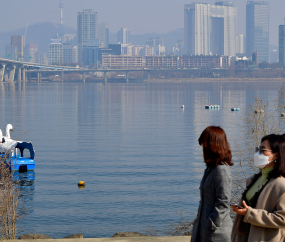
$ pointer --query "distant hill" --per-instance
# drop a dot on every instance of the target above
(39, 33)
(42, 33)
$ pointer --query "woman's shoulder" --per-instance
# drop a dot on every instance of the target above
(276, 186)
(222, 169)
(279, 181)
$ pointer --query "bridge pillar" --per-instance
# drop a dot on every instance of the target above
(62, 76)
(39, 77)
(29, 77)
(2, 72)
(127, 75)
(148, 75)
(83, 75)
(10, 74)
(105, 76)
(19, 74)
(24, 75)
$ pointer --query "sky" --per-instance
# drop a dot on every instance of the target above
(139, 16)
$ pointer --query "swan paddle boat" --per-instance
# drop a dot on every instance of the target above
(211, 106)
(15, 152)
(235, 108)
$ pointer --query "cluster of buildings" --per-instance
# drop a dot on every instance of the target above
(17, 50)
(210, 40)
(211, 30)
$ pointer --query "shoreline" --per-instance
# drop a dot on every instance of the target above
(230, 79)
(122, 239)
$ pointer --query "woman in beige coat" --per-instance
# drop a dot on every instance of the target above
(262, 217)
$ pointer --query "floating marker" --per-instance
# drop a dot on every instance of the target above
(81, 184)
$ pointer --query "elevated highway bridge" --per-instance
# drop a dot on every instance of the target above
(11, 70)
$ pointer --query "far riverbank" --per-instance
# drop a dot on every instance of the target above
(185, 80)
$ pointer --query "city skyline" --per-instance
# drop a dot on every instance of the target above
(138, 16)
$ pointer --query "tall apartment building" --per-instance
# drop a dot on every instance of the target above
(87, 25)
(257, 29)
(30, 53)
(123, 36)
(240, 44)
(157, 44)
(69, 54)
(87, 29)
(18, 40)
(11, 52)
(41, 58)
(55, 52)
(282, 44)
(103, 29)
(210, 29)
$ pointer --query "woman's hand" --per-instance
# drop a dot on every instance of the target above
(241, 211)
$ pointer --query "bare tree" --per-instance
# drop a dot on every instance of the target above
(9, 199)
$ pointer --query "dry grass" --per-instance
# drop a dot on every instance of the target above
(9, 200)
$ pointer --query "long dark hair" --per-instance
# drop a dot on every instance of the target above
(216, 148)
(277, 145)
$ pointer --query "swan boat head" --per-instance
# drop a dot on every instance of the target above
(9, 128)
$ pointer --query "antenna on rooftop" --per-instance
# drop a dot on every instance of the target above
(61, 11)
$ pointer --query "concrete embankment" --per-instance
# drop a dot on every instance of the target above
(133, 239)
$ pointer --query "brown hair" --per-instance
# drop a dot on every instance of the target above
(216, 148)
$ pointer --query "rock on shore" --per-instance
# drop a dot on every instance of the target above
(34, 236)
(74, 236)
(129, 234)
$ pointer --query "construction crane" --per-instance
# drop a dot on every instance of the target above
(61, 11)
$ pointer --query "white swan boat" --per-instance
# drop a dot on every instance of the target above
(14, 152)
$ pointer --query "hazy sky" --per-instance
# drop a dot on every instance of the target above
(140, 16)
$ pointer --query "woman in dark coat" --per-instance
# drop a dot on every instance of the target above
(213, 221)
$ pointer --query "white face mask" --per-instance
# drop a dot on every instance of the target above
(261, 160)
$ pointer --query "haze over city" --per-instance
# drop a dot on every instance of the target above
(160, 16)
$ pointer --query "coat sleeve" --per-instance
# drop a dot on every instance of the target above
(223, 187)
(262, 218)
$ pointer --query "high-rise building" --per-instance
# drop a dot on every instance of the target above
(87, 29)
(55, 52)
(103, 29)
(282, 44)
(11, 52)
(69, 54)
(18, 40)
(30, 53)
(123, 36)
(87, 26)
(41, 58)
(157, 44)
(257, 29)
(210, 29)
(240, 44)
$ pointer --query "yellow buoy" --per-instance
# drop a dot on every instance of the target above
(81, 183)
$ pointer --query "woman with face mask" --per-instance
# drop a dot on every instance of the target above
(213, 221)
(261, 216)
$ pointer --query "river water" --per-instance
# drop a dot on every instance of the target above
(131, 143)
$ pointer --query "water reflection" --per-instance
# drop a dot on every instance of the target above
(27, 186)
